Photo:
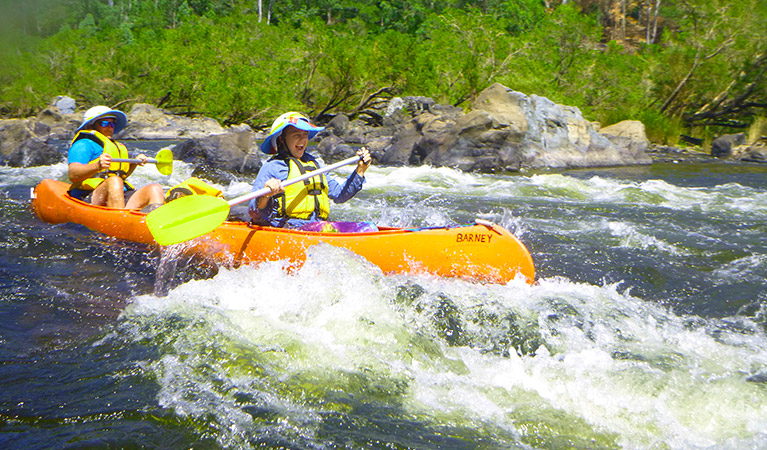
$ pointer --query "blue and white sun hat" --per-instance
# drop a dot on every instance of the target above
(103, 112)
(295, 119)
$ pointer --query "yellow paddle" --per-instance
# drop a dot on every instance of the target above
(163, 160)
(194, 215)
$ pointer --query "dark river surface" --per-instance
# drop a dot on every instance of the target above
(645, 328)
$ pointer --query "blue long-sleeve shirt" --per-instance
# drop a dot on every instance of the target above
(278, 168)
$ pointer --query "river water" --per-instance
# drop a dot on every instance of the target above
(645, 328)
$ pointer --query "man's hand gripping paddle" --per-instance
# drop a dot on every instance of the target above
(194, 215)
(164, 161)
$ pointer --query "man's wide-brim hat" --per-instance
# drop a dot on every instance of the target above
(294, 119)
(104, 112)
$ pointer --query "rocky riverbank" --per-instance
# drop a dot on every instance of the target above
(502, 131)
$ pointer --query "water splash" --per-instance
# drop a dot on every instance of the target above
(258, 356)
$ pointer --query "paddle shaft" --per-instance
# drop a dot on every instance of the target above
(134, 161)
(306, 176)
(163, 160)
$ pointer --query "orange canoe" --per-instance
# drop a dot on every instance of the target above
(481, 251)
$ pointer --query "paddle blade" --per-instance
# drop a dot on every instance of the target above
(186, 218)
(164, 161)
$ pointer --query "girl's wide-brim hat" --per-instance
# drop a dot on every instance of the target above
(103, 112)
(293, 119)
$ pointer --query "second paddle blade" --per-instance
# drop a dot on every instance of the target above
(186, 218)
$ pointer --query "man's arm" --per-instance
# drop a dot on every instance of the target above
(81, 167)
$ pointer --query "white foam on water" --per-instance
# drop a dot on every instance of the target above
(532, 364)
(235, 189)
(673, 384)
(731, 197)
(422, 178)
(32, 175)
(632, 237)
(750, 268)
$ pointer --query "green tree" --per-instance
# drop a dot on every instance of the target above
(468, 51)
(719, 64)
(703, 67)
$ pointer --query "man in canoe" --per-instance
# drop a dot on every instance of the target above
(301, 204)
(95, 177)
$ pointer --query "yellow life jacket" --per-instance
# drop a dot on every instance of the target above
(300, 200)
(115, 149)
(192, 186)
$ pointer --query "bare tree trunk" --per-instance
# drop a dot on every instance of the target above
(713, 104)
(623, 19)
(696, 63)
(655, 21)
(647, 21)
(269, 12)
(679, 86)
(723, 104)
(260, 11)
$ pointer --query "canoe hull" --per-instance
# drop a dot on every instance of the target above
(484, 252)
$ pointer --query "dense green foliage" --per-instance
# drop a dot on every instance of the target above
(704, 68)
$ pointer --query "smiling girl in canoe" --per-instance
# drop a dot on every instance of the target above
(300, 205)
